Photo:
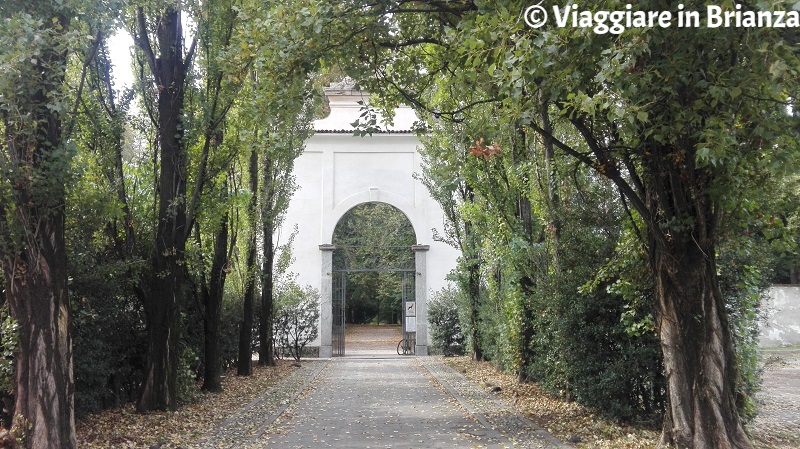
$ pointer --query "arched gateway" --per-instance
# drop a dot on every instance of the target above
(339, 171)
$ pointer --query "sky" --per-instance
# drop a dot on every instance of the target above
(119, 46)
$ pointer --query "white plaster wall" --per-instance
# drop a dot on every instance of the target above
(782, 327)
(305, 212)
(339, 171)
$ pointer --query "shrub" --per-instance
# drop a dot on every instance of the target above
(109, 337)
(9, 341)
(446, 331)
(8, 348)
(296, 320)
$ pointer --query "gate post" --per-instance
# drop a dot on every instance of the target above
(326, 301)
(421, 297)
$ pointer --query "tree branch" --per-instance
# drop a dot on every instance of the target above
(414, 100)
(79, 94)
(409, 43)
(143, 42)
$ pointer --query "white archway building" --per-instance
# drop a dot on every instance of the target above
(339, 171)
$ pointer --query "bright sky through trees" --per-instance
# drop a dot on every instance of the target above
(120, 47)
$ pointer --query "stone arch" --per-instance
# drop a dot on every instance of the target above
(372, 196)
(420, 271)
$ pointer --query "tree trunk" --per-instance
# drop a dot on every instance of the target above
(162, 311)
(474, 292)
(163, 303)
(245, 362)
(44, 384)
(527, 281)
(696, 340)
(245, 365)
(526, 328)
(472, 260)
(699, 358)
(35, 269)
(213, 306)
(553, 199)
(115, 119)
(266, 356)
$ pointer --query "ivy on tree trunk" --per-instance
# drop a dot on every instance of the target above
(245, 362)
(35, 163)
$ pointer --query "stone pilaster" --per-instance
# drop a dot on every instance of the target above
(325, 301)
(421, 297)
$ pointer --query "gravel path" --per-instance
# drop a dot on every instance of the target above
(387, 402)
(362, 339)
(778, 420)
(373, 398)
(247, 426)
(520, 431)
(377, 402)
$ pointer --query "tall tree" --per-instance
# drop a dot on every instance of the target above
(277, 187)
(279, 108)
(38, 40)
(442, 162)
(163, 300)
(224, 70)
(212, 292)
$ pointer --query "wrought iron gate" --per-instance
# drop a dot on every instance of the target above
(339, 309)
(339, 302)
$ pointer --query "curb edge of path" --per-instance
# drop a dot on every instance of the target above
(287, 402)
(536, 429)
(285, 393)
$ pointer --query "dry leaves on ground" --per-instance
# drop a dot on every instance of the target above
(126, 429)
(567, 421)
(570, 422)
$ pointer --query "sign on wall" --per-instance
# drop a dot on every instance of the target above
(411, 308)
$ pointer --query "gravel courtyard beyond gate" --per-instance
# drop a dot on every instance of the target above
(365, 339)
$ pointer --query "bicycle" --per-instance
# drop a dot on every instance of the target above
(407, 346)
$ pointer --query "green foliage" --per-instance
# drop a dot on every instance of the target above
(9, 340)
(596, 344)
(744, 272)
(447, 336)
(187, 375)
(108, 328)
(296, 319)
(230, 321)
(774, 221)
(687, 126)
(553, 280)
(374, 236)
(109, 340)
(593, 343)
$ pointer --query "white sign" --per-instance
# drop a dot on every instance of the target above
(411, 324)
(411, 308)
